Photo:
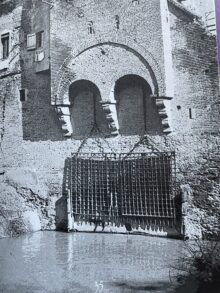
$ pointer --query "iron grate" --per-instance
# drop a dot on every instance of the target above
(113, 187)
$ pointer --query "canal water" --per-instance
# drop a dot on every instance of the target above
(87, 262)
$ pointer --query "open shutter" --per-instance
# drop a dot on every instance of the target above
(31, 41)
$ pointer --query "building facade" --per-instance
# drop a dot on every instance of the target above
(144, 73)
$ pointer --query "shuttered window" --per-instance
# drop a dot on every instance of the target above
(5, 45)
(31, 41)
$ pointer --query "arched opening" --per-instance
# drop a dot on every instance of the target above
(85, 108)
(137, 111)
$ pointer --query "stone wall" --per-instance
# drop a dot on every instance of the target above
(39, 120)
(33, 149)
(70, 23)
(195, 77)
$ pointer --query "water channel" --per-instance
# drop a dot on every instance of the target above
(86, 262)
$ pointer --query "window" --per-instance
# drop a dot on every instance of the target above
(191, 113)
(31, 41)
(117, 22)
(91, 30)
(40, 39)
(5, 45)
(135, 2)
(35, 41)
(23, 95)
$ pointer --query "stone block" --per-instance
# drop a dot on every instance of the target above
(31, 221)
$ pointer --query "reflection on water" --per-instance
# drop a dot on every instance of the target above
(85, 262)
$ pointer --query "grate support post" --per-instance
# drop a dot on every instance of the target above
(69, 212)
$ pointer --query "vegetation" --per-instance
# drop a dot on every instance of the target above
(200, 265)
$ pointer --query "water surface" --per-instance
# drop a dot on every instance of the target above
(86, 262)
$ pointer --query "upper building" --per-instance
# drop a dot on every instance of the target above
(204, 9)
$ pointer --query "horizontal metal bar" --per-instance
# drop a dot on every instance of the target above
(139, 153)
(146, 216)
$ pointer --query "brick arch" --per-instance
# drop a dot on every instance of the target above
(65, 109)
(137, 76)
(86, 108)
(136, 107)
(78, 84)
(66, 74)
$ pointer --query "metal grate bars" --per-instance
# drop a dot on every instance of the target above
(115, 187)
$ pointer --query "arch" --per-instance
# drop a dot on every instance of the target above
(78, 85)
(85, 108)
(136, 109)
(68, 75)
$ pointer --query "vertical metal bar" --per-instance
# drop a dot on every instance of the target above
(149, 181)
(136, 193)
(126, 187)
(97, 186)
(69, 170)
(119, 190)
(132, 188)
(144, 184)
(88, 188)
(80, 186)
(82, 189)
(94, 195)
(116, 171)
(128, 162)
(152, 188)
(140, 187)
(156, 188)
(122, 189)
(161, 176)
(113, 188)
(173, 158)
(101, 186)
(76, 183)
(92, 183)
(171, 203)
(71, 180)
(85, 175)
(71, 189)
(107, 185)
(165, 183)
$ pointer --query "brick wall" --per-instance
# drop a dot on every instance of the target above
(196, 77)
(39, 120)
(70, 37)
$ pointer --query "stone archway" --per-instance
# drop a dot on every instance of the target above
(136, 107)
(67, 72)
(85, 108)
(102, 64)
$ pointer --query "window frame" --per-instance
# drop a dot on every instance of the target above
(31, 41)
(40, 40)
(5, 45)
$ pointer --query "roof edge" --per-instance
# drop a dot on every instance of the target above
(184, 9)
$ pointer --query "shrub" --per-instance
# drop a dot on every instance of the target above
(201, 264)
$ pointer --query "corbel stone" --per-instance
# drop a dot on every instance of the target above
(63, 112)
(163, 106)
(110, 111)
